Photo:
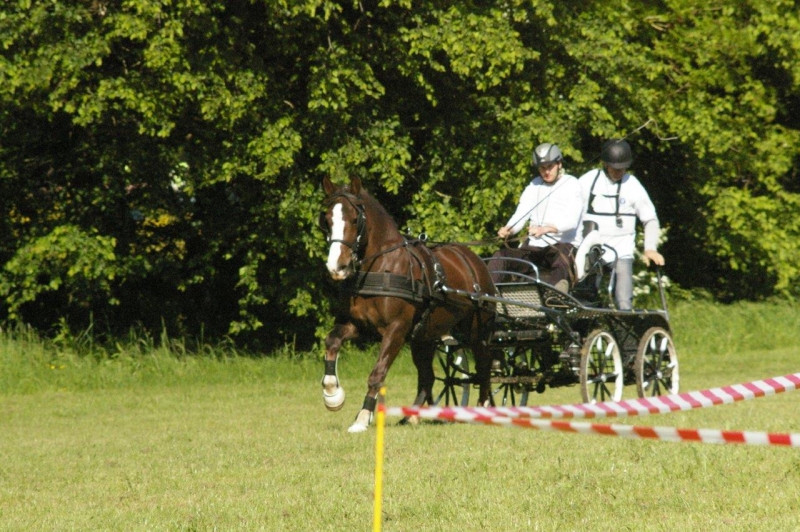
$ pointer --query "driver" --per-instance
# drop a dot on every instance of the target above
(551, 206)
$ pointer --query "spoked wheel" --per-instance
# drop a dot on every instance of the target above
(507, 379)
(454, 376)
(656, 364)
(601, 372)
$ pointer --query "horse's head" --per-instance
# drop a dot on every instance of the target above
(344, 222)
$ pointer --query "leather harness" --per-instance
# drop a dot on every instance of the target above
(426, 291)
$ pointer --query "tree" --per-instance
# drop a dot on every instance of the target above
(188, 139)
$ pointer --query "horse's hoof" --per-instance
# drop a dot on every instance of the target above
(334, 401)
(410, 420)
(356, 427)
(332, 393)
(362, 421)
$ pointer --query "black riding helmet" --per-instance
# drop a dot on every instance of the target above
(546, 153)
(617, 154)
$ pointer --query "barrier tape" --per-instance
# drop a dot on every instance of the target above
(551, 418)
(638, 432)
(630, 407)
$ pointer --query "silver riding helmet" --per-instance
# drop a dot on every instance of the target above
(546, 153)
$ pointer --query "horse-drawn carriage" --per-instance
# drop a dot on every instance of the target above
(544, 338)
(523, 333)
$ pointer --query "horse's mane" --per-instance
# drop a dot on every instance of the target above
(371, 203)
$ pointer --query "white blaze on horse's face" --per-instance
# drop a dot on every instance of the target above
(337, 270)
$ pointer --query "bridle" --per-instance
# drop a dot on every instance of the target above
(361, 225)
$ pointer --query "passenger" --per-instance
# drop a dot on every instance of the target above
(551, 206)
(614, 198)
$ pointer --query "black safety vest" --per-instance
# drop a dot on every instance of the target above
(616, 214)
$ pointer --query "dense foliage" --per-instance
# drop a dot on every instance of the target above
(160, 160)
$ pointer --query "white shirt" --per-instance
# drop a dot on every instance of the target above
(634, 202)
(559, 205)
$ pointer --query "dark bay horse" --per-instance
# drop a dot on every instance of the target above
(396, 287)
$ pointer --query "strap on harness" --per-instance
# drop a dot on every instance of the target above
(386, 284)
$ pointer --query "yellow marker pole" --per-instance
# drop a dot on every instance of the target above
(379, 423)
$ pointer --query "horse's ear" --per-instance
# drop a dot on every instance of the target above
(327, 185)
(355, 185)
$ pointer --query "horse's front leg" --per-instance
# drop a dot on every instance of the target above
(332, 392)
(392, 342)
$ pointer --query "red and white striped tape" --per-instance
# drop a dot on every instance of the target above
(631, 407)
(550, 418)
(638, 432)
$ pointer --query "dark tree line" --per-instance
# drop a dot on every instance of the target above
(160, 161)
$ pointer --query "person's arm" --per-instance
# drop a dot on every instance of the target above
(646, 212)
(565, 213)
(652, 231)
(520, 216)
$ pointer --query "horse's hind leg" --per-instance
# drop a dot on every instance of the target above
(332, 392)
(483, 366)
(423, 354)
(483, 356)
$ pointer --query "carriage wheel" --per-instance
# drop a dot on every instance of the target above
(454, 376)
(656, 364)
(505, 376)
(601, 373)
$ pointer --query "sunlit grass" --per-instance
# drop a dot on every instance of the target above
(145, 437)
(725, 329)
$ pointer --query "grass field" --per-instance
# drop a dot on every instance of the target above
(145, 438)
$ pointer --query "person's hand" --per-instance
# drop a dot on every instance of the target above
(504, 232)
(540, 230)
(651, 255)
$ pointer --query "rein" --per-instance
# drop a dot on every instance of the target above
(361, 227)
(357, 262)
(476, 243)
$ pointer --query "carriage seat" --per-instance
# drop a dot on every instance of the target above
(588, 254)
(594, 262)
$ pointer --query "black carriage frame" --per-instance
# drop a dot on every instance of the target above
(542, 338)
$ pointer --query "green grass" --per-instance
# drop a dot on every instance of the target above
(143, 438)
